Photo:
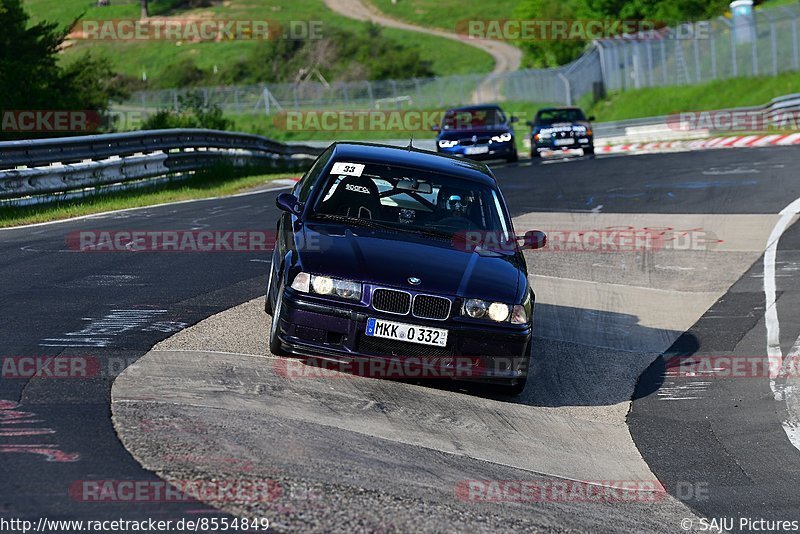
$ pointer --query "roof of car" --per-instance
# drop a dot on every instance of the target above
(414, 158)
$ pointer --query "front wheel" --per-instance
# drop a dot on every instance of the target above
(513, 157)
(588, 151)
(274, 340)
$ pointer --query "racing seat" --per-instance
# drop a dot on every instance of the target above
(357, 197)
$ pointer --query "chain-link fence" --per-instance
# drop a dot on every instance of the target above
(764, 43)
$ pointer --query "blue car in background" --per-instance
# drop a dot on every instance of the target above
(401, 255)
(477, 132)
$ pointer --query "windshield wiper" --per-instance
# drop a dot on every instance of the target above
(369, 223)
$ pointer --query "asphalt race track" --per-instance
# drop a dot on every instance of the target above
(604, 405)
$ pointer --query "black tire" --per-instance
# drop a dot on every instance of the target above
(274, 341)
(588, 151)
(535, 154)
(513, 157)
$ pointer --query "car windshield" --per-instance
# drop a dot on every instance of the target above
(473, 119)
(551, 116)
(409, 200)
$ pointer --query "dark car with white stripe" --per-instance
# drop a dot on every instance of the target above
(560, 130)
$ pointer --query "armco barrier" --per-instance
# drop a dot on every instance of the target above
(43, 168)
(649, 129)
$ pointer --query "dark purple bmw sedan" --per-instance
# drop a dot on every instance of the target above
(398, 256)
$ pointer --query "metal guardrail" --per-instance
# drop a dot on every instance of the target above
(39, 170)
(773, 113)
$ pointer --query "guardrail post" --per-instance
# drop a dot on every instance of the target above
(796, 62)
(734, 59)
(754, 52)
(696, 49)
(567, 88)
(603, 66)
(795, 58)
(712, 46)
(394, 92)
(371, 96)
(175, 100)
(774, 40)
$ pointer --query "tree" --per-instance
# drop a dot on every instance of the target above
(31, 77)
(143, 11)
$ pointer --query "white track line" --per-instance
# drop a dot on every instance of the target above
(774, 352)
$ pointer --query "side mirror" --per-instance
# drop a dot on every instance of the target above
(591, 118)
(534, 240)
(289, 203)
(513, 119)
(435, 127)
(530, 123)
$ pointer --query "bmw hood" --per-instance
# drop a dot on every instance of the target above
(390, 258)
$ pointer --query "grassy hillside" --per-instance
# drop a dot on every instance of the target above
(156, 58)
(445, 14)
(720, 94)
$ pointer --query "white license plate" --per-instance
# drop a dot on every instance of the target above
(470, 150)
(407, 332)
(563, 142)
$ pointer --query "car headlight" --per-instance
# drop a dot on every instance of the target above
(497, 311)
(502, 138)
(447, 143)
(522, 312)
(475, 308)
(325, 285)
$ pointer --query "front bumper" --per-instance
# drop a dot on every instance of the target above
(548, 144)
(335, 332)
(493, 150)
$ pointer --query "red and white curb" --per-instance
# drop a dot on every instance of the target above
(745, 141)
